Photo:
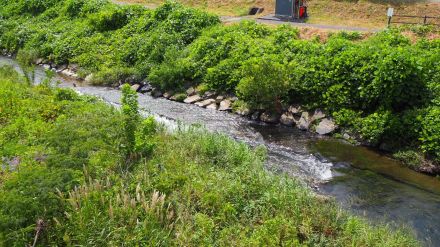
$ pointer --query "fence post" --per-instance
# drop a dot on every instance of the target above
(424, 20)
(390, 13)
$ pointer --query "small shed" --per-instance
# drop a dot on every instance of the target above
(291, 9)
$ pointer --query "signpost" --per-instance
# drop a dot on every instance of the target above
(390, 13)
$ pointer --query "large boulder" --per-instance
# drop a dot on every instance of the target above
(243, 111)
(255, 116)
(168, 95)
(287, 119)
(318, 114)
(135, 87)
(209, 94)
(156, 93)
(225, 105)
(304, 122)
(73, 67)
(295, 109)
(326, 126)
(212, 106)
(192, 99)
(89, 78)
(145, 88)
(61, 68)
(219, 99)
(191, 91)
(205, 103)
(270, 117)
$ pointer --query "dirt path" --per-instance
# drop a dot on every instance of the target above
(274, 21)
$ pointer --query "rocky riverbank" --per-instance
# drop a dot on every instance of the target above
(316, 120)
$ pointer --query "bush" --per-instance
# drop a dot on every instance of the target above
(410, 158)
(430, 133)
(171, 74)
(373, 127)
(110, 18)
(265, 83)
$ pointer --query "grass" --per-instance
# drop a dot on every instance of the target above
(194, 189)
(369, 14)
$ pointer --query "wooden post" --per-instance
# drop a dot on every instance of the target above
(424, 20)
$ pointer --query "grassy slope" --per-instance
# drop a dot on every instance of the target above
(195, 189)
(371, 14)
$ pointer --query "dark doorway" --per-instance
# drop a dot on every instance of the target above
(284, 8)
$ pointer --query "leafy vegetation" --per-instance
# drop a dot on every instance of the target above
(65, 181)
(390, 84)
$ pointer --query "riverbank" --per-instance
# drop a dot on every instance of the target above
(94, 176)
(382, 90)
(315, 121)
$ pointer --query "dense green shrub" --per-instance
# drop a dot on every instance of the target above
(373, 127)
(108, 19)
(265, 83)
(172, 73)
(430, 134)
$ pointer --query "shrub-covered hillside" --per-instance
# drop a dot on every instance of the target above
(77, 172)
(383, 90)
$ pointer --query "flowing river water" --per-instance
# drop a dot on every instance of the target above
(362, 180)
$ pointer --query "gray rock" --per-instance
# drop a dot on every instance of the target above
(318, 114)
(46, 66)
(287, 119)
(225, 105)
(255, 116)
(212, 106)
(69, 73)
(191, 91)
(270, 117)
(208, 94)
(61, 68)
(168, 95)
(233, 99)
(205, 103)
(346, 136)
(39, 61)
(73, 67)
(89, 78)
(295, 109)
(192, 99)
(219, 98)
(243, 111)
(135, 87)
(145, 88)
(326, 126)
(156, 93)
(304, 122)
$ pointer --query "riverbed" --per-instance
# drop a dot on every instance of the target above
(362, 180)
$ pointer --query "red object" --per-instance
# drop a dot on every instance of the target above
(302, 11)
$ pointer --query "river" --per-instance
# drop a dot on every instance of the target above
(362, 180)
